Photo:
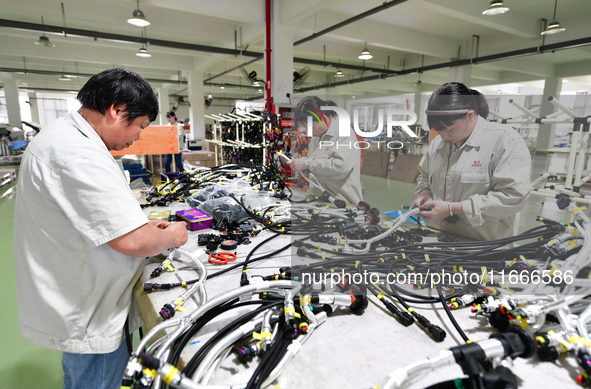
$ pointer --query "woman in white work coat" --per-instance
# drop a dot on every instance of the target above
(334, 160)
(475, 177)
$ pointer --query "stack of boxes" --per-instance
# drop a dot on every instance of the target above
(200, 158)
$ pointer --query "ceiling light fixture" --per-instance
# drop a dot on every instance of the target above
(138, 18)
(496, 7)
(143, 52)
(43, 40)
(222, 87)
(365, 55)
(339, 73)
(554, 26)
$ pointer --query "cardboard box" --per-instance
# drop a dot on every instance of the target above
(406, 168)
(210, 163)
(207, 146)
(375, 163)
(159, 215)
(198, 156)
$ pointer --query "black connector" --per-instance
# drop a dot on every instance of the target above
(563, 201)
(149, 361)
(156, 272)
(167, 311)
(244, 280)
(436, 332)
(403, 317)
(149, 287)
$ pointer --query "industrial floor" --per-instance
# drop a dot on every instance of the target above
(24, 365)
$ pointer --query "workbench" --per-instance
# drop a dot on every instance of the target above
(346, 351)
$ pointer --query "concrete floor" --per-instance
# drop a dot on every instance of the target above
(25, 365)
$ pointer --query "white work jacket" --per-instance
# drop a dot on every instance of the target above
(489, 174)
(337, 166)
(74, 291)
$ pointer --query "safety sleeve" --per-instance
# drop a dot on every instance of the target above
(510, 181)
(94, 195)
(423, 177)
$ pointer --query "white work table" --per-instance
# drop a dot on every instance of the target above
(347, 351)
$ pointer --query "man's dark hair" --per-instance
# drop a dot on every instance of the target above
(453, 96)
(170, 114)
(120, 87)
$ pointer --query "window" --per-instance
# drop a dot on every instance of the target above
(582, 106)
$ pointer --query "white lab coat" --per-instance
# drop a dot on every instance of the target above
(74, 291)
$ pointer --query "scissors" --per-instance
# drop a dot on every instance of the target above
(221, 258)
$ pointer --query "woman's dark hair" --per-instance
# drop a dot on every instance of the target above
(120, 87)
(308, 103)
(170, 114)
(451, 97)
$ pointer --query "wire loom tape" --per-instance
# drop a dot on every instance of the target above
(229, 245)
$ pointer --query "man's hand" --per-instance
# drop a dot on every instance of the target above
(297, 165)
(162, 224)
(179, 233)
(422, 198)
(438, 211)
(152, 238)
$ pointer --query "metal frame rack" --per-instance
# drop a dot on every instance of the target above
(577, 157)
(241, 118)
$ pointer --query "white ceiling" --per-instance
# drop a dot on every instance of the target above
(398, 37)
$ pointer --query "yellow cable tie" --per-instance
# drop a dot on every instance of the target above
(332, 270)
(572, 244)
(168, 265)
(244, 271)
(484, 277)
(319, 248)
(305, 299)
(509, 289)
(513, 261)
(357, 264)
(455, 268)
(179, 306)
(256, 336)
(411, 310)
(289, 310)
(427, 259)
(381, 295)
(297, 315)
(576, 339)
(149, 372)
(324, 256)
(468, 341)
(167, 378)
(461, 269)
(403, 256)
(184, 284)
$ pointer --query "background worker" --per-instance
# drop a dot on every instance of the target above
(337, 168)
(475, 177)
(80, 236)
(178, 158)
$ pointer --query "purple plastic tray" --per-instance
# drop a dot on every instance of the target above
(196, 219)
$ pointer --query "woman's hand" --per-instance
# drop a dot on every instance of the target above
(439, 210)
(297, 165)
(421, 198)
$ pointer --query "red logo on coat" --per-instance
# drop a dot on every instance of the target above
(476, 164)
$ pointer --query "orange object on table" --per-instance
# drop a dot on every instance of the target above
(154, 140)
